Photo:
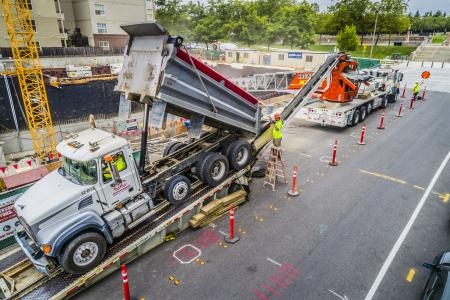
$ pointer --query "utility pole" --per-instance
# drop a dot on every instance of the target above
(373, 36)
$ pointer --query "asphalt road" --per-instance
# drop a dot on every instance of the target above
(332, 240)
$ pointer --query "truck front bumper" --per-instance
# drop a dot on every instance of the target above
(34, 254)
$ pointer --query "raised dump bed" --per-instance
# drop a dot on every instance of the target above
(180, 84)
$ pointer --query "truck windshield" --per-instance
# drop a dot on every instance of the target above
(82, 172)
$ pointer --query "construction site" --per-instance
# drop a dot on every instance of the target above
(140, 165)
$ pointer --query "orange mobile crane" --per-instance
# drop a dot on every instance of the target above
(29, 73)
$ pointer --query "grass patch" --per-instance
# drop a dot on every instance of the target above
(438, 39)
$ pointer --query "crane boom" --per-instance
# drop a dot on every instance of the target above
(29, 73)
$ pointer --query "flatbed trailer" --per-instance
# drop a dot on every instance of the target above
(60, 285)
(343, 114)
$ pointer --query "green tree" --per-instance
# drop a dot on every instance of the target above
(391, 17)
(347, 39)
(353, 12)
(296, 24)
(324, 25)
(247, 26)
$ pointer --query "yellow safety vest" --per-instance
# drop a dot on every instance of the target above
(277, 129)
(416, 88)
(120, 165)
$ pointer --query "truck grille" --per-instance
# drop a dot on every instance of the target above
(27, 228)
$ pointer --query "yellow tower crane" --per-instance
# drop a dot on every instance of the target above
(29, 73)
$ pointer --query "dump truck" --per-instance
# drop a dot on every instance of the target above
(103, 207)
(347, 96)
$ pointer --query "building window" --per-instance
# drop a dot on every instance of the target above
(245, 55)
(280, 56)
(103, 44)
(30, 6)
(99, 9)
(309, 58)
(101, 27)
(230, 54)
(33, 23)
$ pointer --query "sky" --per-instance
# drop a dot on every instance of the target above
(421, 5)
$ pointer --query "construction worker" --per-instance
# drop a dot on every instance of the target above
(416, 90)
(120, 164)
(276, 132)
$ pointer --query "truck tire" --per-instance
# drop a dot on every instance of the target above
(362, 113)
(355, 118)
(214, 168)
(168, 148)
(177, 189)
(239, 154)
(83, 253)
(384, 102)
(369, 108)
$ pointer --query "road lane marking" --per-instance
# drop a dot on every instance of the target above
(223, 233)
(384, 176)
(418, 187)
(410, 275)
(274, 262)
(444, 197)
(339, 296)
(304, 154)
(192, 256)
(406, 230)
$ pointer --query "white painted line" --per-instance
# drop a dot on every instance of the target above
(223, 233)
(339, 296)
(274, 262)
(304, 154)
(199, 252)
(325, 159)
(405, 231)
(212, 225)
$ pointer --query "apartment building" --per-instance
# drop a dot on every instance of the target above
(98, 20)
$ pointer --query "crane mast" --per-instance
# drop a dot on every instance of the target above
(29, 73)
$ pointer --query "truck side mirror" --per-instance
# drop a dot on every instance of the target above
(428, 266)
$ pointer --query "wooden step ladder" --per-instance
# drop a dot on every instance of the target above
(275, 167)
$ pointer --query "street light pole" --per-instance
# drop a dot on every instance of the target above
(373, 36)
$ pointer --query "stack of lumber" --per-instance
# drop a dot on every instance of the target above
(217, 208)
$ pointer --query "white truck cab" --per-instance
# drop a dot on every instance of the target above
(71, 214)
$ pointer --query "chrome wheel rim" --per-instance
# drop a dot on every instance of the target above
(242, 156)
(180, 190)
(218, 170)
(85, 254)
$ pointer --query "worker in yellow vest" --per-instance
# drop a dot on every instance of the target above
(416, 90)
(120, 164)
(276, 132)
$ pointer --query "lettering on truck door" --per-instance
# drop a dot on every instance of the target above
(115, 192)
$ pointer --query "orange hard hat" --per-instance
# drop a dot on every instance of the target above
(277, 116)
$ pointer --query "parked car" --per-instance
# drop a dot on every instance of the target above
(437, 286)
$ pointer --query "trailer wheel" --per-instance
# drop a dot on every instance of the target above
(168, 148)
(214, 168)
(384, 102)
(83, 253)
(177, 189)
(362, 113)
(355, 118)
(369, 108)
(239, 154)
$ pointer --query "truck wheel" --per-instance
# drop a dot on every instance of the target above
(362, 114)
(177, 189)
(214, 168)
(369, 107)
(168, 148)
(355, 118)
(384, 102)
(83, 253)
(239, 154)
